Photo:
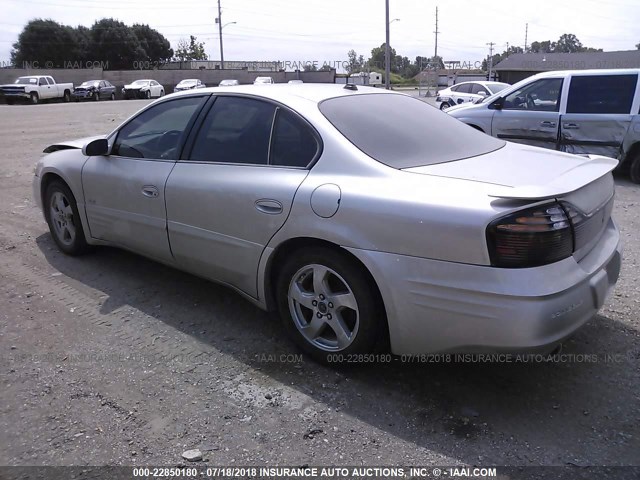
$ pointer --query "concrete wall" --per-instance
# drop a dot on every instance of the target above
(168, 78)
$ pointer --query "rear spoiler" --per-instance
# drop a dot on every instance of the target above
(568, 182)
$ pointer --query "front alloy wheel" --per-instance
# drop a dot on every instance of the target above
(329, 304)
(64, 221)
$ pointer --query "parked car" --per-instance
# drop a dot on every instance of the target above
(580, 111)
(228, 83)
(143, 89)
(261, 80)
(34, 88)
(437, 238)
(94, 90)
(468, 92)
(188, 84)
(295, 81)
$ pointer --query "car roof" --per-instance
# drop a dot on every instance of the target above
(562, 73)
(313, 92)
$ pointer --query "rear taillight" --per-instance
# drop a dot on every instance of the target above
(530, 238)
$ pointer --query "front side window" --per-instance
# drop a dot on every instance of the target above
(293, 142)
(541, 95)
(236, 130)
(601, 93)
(157, 132)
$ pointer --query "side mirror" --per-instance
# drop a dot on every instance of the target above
(482, 93)
(497, 104)
(96, 148)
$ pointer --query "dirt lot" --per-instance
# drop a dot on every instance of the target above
(113, 359)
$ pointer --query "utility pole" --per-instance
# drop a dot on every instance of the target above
(526, 35)
(490, 63)
(387, 50)
(435, 54)
(220, 33)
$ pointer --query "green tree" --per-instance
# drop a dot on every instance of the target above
(46, 42)
(377, 57)
(192, 50)
(156, 46)
(542, 47)
(355, 62)
(116, 43)
(638, 46)
(310, 67)
(568, 43)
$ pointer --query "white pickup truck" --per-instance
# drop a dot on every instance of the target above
(35, 88)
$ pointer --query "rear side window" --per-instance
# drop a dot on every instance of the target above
(293, 142)
(236, 130)
(403, 132)
(466, 88)
(478, 88)
(601, 93)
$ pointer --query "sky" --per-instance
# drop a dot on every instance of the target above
(323, 31)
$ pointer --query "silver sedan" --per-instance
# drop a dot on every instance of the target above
(366, 219)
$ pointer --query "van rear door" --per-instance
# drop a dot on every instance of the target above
(598, 113)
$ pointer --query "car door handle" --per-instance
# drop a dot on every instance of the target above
(150, 191)
(570, 126)
(270, 207)
(547, 123)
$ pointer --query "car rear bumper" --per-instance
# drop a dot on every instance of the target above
(434, 306)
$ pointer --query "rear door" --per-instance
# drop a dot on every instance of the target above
(531, 114)
(598, 113)
(233, 191)
(461, 93)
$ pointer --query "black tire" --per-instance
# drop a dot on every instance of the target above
(9, 101)
(113, 96)
(148, 94)
(66, 98)
(96, 96)
(71, 245)
(162, 93)
(444, 105)
(634, 168)
(364, 324)
(35, 98)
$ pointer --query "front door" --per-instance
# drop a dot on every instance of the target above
(234, 190)
(125, 191)
(598, 114)
(530, 115)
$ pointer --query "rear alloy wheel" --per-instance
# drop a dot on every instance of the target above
(444, 105)
(634, 170)
(66, 97)
(61, 213)
(328, 305)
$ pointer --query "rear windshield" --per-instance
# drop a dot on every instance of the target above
(404, 132)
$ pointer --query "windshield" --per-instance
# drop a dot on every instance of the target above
(92, 83)
(403, 132)
(140, 82)
(27, 81)
(187, 82)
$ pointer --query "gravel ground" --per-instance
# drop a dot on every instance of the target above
(113, 359)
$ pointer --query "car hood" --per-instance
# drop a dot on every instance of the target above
(135, 87)
(71, 144)
(522, 172)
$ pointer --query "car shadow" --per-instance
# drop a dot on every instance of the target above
(552, 412)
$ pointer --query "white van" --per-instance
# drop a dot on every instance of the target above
(578, 111)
